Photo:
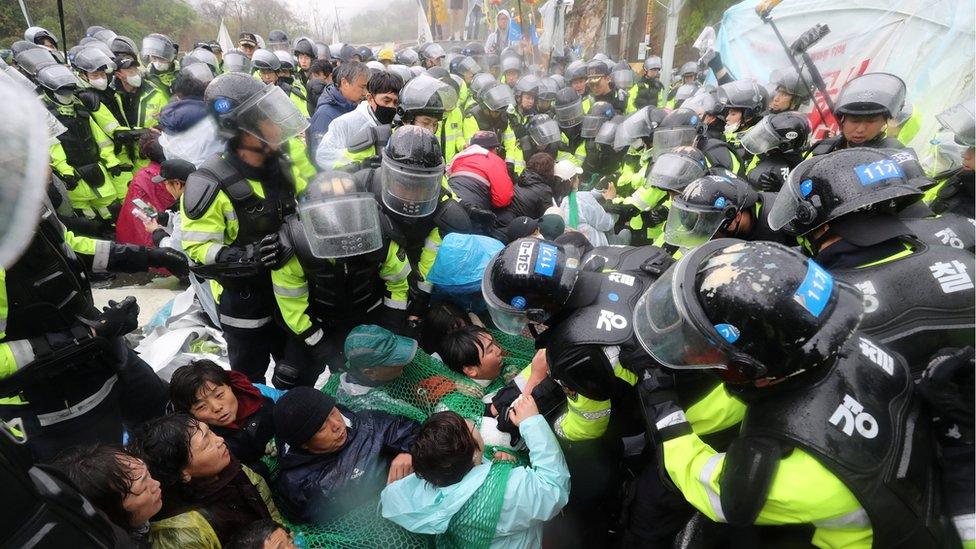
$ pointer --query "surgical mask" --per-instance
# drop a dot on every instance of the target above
(385, 115)
(732, 128)
(134, 80)
(99, 83)
(64, 98)
(161, 66)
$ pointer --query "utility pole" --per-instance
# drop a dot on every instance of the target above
(670, 40)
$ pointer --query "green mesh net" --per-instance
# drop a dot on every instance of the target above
(425, 387)
(473, 526)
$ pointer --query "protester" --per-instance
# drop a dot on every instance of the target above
(347, 92)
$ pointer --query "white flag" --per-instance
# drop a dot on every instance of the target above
(223, 38)
(423, 27)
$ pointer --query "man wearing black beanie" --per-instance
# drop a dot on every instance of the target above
(333, 459)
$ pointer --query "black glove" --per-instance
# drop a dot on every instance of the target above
(663, 416)
(70, 181)
(169, 259)
(116, 171)
(481, 216)
(162, 218)
(770, 181)
(116, 320)
(947, 386)
(274, 250)
(657, 215)
(129, 136)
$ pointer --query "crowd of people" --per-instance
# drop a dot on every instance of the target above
(472, 301)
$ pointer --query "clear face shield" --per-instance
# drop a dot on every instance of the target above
(410, 193)
(271, 116)
(674, 172)
(427, 93)
(633, 128)
(25, 138)
(786, 207)
(667, 139)
(499, 97)
(468, 65)
(623, 79)
(590, 127)
(153, 46)
(570, 115)
(961, 121)
(237, 62)
(511, 318)
(198, 71)
(761, 138)
(544, 134)
(691, 225)
(664, 329)
(342, 226)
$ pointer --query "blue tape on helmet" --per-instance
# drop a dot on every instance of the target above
(814, 292)
(545, 260)
(222, 105)
(806, 187)
(728, 332)
(720, 202)
(875, 172)
(518, 302)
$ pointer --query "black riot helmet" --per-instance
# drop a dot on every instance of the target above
(431, 53)
(287, 60)
(601, 157)
(706, 206)
(304, 46)
(407, 57)
(204, 55)
(676, 170)
(752, 311)
(824, 188)
(528, 281)
(265, 60)
(158, 45)
(789, 81)
(32, 60)
(870, 94)
(124, 46)
(569, 108)
(462, 65)
(547, 89)
(480, 83)
(57, 78)
(322, 51)
(37, 35)
(92, 60)
(575, 71)
(746, 95)
(652, 63)
(599, 113)
(787, 131)
(411, 170)
(497, 98)
(527, 85)
(680, 128)
(428, 96)
(491, 61)
(689, 68)
(347, 52)
(365, 54)
(241, 103)
(639, 126)
(623, 75)
(277, 39)
(544, 132)
(338, 220)
(473, 49)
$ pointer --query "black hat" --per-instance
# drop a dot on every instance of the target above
(247, 37)
(596, 69)
(520, 227)
(300, 413)
(174, 169)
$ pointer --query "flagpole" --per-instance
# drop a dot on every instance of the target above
(522, 23)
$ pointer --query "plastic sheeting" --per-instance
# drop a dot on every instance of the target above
(928, 43)
(461, 262)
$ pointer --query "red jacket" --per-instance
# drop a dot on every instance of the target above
(129, 229)
(476, 170)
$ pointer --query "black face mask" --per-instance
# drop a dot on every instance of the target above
(385, 115)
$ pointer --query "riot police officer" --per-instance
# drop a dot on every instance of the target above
(346, 275)
(956, 193)
(742, 104)
(830, 437)
(491, 113)
(789, 92)
(601, 87)
(864, 107)
(419, 210)
(234, 206)
(649, 87)
(777, 144)
(918, 296)
(159, 53)
(684, 128)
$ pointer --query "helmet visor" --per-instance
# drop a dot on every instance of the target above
(237, 62)
(199, 71)
(426, 93)
(674, 172)
(570, 115)
(701, 103)
(960, 120)
(663, 329)
(342, 226)
(26, 134)
(786, 207)
(761, 138)
(499, 97)
(506, 317)
(410, 194)
(468, 65)
(271, 116)
(56, 77)
(591, 125)
(685, 91)
(545, 133)
(634, 127)
(157, 47)
(668, 139)
(607, 133)
(689, 226)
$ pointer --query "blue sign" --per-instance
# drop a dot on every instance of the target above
(875, 172)
(545, 260)
(814, 292)
(728, 332)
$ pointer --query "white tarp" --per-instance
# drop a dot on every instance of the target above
(928, 43)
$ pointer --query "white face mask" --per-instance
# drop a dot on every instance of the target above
(135, 80)
(98, 83)
(731, 128)
(161, 66)
(64, 98)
